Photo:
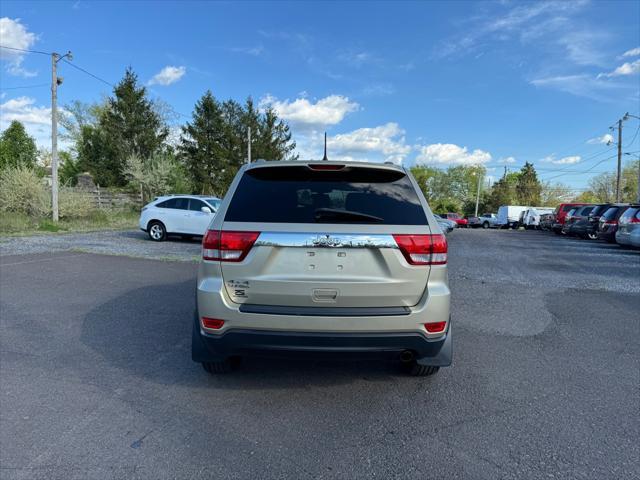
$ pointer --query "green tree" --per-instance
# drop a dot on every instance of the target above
(76, 115)
(528, 187)
(602, 188)
(69, 169)
(17, 148)
(274, 138)
(503, 191)
(450, 190)
(202, 146)
(128, 125)
(214, 146)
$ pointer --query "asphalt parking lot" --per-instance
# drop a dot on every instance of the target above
(97, 382)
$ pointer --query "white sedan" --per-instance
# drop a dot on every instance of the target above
(183, 215)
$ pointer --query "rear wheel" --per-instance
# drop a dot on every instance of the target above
(223, 366)
(416, 370)
(157, 231)
(592, 236)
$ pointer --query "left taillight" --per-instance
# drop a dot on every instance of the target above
(227, 246)
(423, 249)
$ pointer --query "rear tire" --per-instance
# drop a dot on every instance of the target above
(157, 231)
(416, 370)
(215, 368)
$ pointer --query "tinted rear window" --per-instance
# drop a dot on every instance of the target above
(585, 211)
(610, 213)
(300, 195)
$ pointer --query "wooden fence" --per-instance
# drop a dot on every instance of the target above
(105, 199)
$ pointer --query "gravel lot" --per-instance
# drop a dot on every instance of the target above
(97, 382)
(133, 243)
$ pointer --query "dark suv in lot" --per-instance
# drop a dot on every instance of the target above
(608, 223)
(560, 213)
(587, 226)
(573, 217)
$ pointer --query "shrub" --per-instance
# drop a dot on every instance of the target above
(74, 204)
(22, 191)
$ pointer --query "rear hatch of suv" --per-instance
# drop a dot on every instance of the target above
(327, 235)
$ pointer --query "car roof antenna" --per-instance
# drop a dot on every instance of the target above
(325, 148)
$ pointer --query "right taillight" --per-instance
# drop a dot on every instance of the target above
(227, 246)
(423, 249)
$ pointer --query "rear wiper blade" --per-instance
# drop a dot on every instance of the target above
(336, 214)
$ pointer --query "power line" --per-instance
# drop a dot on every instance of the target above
(88, 73)
(583, 172)
(591, 157)
(634, 138)
(25, 86)
(24, 50)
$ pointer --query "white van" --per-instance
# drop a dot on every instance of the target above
(509, 216)
(531, 217)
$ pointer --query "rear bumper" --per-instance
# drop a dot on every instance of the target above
(208, 347)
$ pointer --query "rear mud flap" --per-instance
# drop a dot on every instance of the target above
(444, 356)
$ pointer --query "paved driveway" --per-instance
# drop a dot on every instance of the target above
(96, 380)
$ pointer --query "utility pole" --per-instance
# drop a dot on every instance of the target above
(55, 82)
(54, 137)
(249, 145)
(478, 193)
(619, 160)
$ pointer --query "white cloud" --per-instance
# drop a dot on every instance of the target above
(379, 90)
(15, 35)
(581, 85)
(358, 58)
(254, 51)
(507, 160)
(386, 140)
(606, 138)
(562, 161)
(36, 119)
(634, 52)
(548, 20)
(23, 110)
(627, 68)
(168, 75)
(303, 113)
(450, 154)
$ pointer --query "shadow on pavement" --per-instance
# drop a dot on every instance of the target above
(147, 333)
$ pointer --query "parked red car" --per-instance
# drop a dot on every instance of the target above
(462, 222)
(561, 213)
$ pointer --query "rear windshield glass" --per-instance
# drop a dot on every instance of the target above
(585, 210)
(611, 213)
(300, 195)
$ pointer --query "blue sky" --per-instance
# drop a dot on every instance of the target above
(439, 83)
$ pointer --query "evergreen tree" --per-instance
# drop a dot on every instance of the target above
(128, 125)
(202, 146)
(17, 148)
(528, 187)
(274, 138)
(214, 144)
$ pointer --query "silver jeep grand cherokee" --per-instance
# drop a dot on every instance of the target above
(323, 257)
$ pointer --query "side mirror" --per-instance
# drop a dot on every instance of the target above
(206, 210)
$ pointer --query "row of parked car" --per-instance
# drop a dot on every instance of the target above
(612, 222)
